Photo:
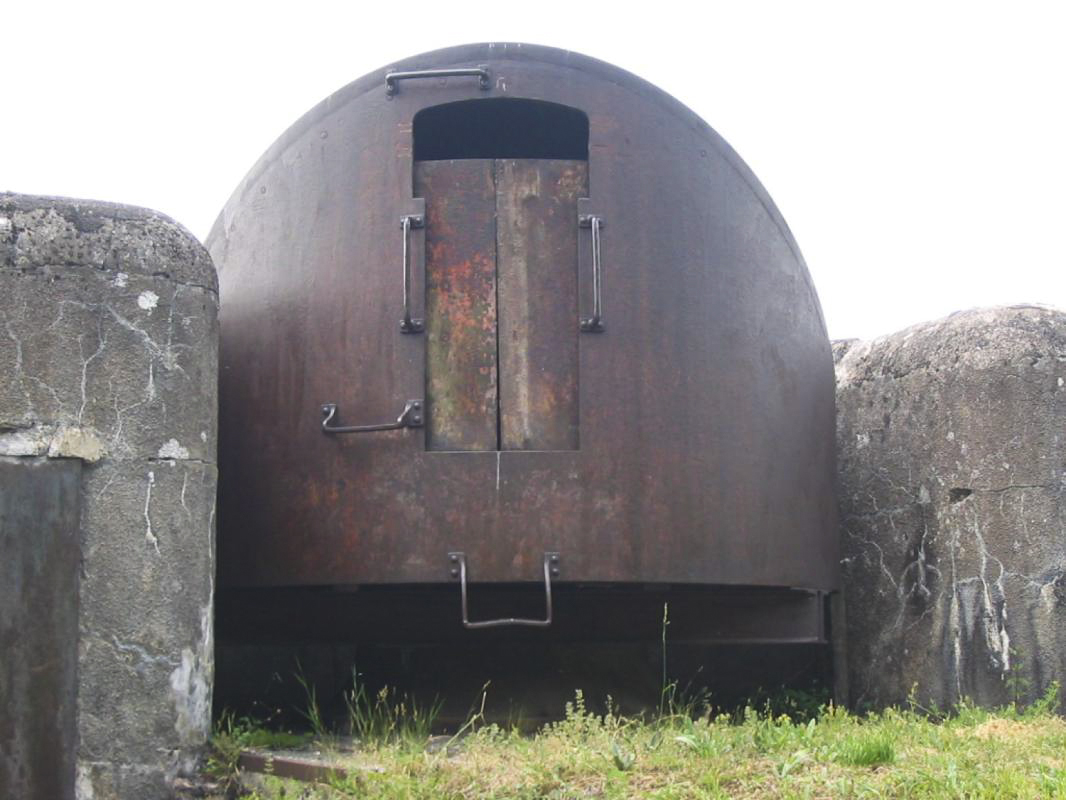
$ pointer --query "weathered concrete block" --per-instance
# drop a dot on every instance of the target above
(952, 459)
(108, 354)
(146, 624)
(106, 333)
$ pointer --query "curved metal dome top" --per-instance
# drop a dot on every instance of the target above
(508, 301)
(518, 52)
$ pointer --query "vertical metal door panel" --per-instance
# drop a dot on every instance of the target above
(536, 239)
(461, 401)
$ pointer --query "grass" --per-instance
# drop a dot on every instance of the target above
(232, 735)
(970, 753)
(385, 718)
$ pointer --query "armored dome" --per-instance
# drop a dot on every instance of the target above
(513, 304)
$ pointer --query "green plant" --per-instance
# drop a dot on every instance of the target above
(1048, 703)
(231, 735)
(313, 714)
(577, 722)
(387, 716)
(703, 740)
(1017, 680)
(224, 751)
(931, 712)
(472, 718)
(622, 759)
(792, 762)
(665, 686)
(677, 703)
(770, 733)
(867, 750)
(799, 705)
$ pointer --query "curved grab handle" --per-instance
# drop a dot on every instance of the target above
(551, 567)
(481, 71)
(594, 324)
(408, 221)
(410, 417)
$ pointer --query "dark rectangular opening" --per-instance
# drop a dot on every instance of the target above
(501, 128)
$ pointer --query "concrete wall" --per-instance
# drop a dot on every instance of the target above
(952, 459)
(108, 354)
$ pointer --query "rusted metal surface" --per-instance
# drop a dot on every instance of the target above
(461, 383)
(536, 239)
(40, 508)
(705, 409)
(501, 297)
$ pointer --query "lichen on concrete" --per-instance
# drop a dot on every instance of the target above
(952, 476)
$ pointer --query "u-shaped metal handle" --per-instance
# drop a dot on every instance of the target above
(594, 324)
(481, 72)
(410, 417)
(457, 561)
(408, 221)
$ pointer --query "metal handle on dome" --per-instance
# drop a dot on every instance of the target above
(410, 417)
(594, 324)
(408, 221)
(551, 567)
(481, 72)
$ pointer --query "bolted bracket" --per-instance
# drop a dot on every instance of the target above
(410, 417)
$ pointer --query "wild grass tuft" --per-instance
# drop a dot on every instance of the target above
(313, 714)
(867, 750)
(233, 734)
(1048, 703)
(387, 717)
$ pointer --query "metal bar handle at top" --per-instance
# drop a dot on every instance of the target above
(408, 221)
(481, 72)
(410, 417)
(594, 324)
(551, 567)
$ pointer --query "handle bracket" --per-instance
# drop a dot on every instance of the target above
(481, 72)
(410, 417)
(408, 221)
(457, 564)
(594, 324)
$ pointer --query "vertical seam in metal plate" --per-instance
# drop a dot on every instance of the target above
(496, 288)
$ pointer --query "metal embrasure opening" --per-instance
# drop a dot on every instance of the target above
(457, 563)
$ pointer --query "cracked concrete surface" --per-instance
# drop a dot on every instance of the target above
(108, 353)
(952, 476)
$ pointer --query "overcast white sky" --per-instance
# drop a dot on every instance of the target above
(917, 150)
